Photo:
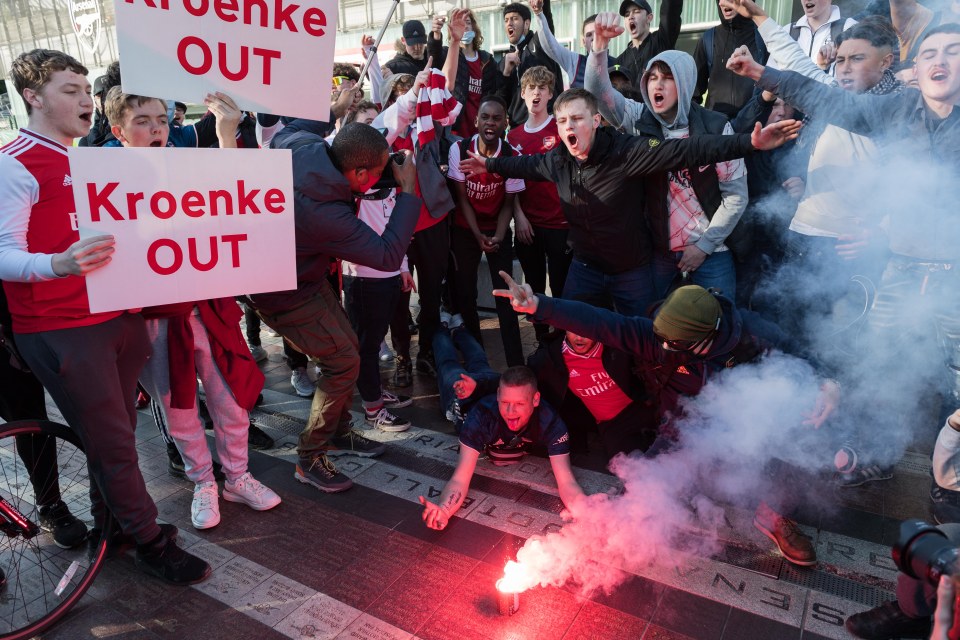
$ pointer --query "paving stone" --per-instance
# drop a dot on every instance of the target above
(598, 621)
(234, 579)
(319, 618)
(274, 599)
(367, 627)
(825, 614)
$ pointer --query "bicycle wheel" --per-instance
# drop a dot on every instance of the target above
(43, 580)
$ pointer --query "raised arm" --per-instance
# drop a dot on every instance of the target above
(665, 37)
(374, 72)
(614, 107)
(455, 29)
(564, 57)
(537, 167)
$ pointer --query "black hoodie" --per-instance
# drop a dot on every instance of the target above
(726, 91)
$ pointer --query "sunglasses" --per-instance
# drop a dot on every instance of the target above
(339, 80)
(689, 345)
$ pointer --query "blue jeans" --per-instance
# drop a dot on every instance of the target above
(370, 304)
(716, 272)
(475, 362)
(632, 290)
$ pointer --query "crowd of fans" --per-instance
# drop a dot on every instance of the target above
(683, 219)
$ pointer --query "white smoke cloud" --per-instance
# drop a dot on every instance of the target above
(742, 419)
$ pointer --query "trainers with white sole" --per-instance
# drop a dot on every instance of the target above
(259, 353)
(386, 421)
(205, 511)
(251, 492)
(301, 382)
(394, 401)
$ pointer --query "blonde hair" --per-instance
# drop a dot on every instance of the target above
(538, 76)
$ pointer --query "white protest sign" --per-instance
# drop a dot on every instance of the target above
(190, 224)
(274, 56)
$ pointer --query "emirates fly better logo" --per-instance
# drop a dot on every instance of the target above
(85, 16)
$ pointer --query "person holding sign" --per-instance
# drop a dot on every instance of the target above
(198, 338)
(327, 179)
(88, 362)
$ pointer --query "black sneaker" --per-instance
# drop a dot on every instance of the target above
(353, 443)
(863, 474)
(403, 374)
(394, 401)
(68, 532)
(425, 364)
(322, 474)
(165, 560)
(120, 542)
(175, 466)
(258, 439)
(946, 504)
(887, 621)
(454, 414)
(386, 421)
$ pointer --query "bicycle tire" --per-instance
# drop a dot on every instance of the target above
(36, 568)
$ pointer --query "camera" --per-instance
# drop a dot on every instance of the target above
(924, 552)
(398, 157)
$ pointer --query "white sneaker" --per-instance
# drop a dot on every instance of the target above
(386, 355)
(455, 322)
(250, 492)
(445, 319)
(301, 383)
(205, 511)
(259, 353)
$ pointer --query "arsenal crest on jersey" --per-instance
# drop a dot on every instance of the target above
(549, 142)
(85, 16)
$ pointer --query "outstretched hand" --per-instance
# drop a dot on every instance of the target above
(464, 387)
(458, 24)
(746, 8)
(433, 515)
(774, 135)
(522, 297)
(474, 165)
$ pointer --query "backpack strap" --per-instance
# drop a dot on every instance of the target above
(708, 38)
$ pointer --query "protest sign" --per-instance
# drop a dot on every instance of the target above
(271, 56)
(190, 224)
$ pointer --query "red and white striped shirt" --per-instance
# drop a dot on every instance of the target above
(38, 220)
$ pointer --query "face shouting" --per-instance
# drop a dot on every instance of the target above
(515, 26)
(144, 125)
(578, 344)
(638, 22)
(938, 68)
(63, 107)
(662, 91)
(536, 98)
(491, 122)
(577, 126)
(860, 65)
(818, 10)
(517, 404)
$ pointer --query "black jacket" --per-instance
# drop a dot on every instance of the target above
(531, 55)
(633, 61)
(404, 63)
(325, 216)
(726, 91)
(603, 197)
(489, 80)
(553, 377)
(99, 133)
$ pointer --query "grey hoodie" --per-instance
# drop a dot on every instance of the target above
(684, 71)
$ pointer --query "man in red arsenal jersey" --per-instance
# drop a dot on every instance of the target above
(88, 362)
(541, 242)
(481, 225)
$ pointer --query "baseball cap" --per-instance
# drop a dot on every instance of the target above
(643, 4)
(414, 32)
(99, 85)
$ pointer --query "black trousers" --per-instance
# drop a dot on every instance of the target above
(91, 374)
(21, 398)
(467, 253)
(550, 254)
(429, 254)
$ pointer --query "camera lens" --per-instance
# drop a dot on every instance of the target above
(924, 552)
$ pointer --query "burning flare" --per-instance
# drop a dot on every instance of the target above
(517, 578)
